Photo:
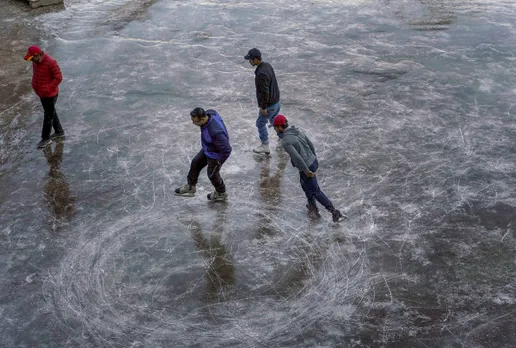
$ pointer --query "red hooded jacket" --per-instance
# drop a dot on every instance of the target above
(47, 77)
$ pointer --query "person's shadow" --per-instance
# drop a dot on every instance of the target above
(270, 193)
(220, 271)
(269, 189)
(57, 193)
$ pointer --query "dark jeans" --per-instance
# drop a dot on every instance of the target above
(50, 118)
(312, 190)
(198, 163)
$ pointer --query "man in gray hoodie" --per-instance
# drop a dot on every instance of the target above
(302, 155)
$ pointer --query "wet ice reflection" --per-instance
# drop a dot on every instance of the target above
(57, 193)
(220, 271)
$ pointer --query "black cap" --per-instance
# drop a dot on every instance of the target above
(253, 53)
(199, 112)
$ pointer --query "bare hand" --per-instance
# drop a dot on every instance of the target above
(263, 112)
(310, 174)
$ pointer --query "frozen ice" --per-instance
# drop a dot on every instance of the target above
(409, 105)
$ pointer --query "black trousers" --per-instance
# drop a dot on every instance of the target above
(50, 119)
(198, 163)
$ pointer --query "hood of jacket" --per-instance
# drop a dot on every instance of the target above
(291, 130)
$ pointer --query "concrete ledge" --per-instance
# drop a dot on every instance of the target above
(38, 3)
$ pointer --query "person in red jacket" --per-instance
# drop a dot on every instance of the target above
(45, 82)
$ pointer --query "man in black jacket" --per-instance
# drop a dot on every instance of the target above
(267, 95)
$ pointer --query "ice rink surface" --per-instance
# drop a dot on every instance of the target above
(410, 107)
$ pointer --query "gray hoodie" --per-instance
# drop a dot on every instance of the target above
(299, 147)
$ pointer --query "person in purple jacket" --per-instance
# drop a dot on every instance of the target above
(215, 151)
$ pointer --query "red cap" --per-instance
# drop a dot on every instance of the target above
(280, 120)
(31, 52)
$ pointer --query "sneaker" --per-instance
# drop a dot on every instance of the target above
(313, 211)
(185, 191)
(337, 216)
(57, 135)
(263, 148)
(43, 143)
(218, 196)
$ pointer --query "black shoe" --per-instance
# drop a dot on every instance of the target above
(313, 211)
(57, 135)
(337, 216)
(43, 143)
